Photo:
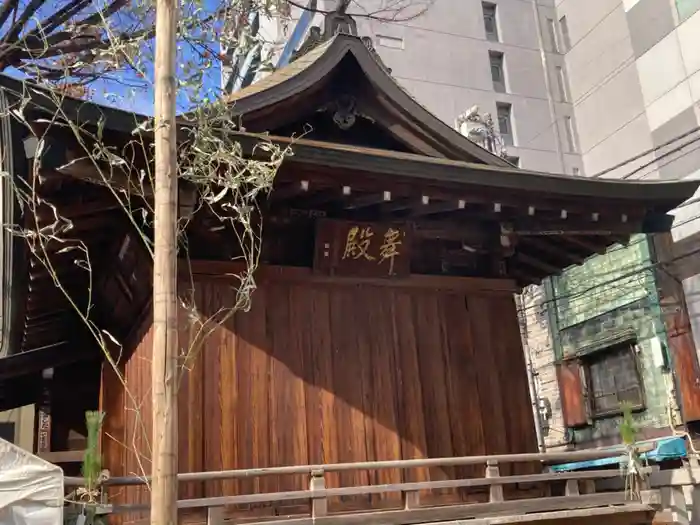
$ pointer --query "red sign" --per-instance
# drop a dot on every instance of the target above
(362, 249)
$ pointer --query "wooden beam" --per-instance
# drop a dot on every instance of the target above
(450, 230)
(80, 167)
(325, 196)
(542, 226)
(367, 200)
(591, 247)
(288, 191)
(229, 270)
(75, 210)
(534, 262)
(552, 249)
(397, 205)
(432, 208)
(63, 456)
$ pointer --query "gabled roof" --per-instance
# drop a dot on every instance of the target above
(319, 64)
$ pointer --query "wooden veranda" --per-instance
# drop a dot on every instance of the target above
(569, 497)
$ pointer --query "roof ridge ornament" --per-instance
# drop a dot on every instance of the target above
(481, 130)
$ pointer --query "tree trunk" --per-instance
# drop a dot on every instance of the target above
(164, 364)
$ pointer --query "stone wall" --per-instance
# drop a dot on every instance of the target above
(537, 344)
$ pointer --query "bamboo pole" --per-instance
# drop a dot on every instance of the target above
(164, 360)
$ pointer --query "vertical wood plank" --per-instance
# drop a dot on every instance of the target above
(365, 352)
(465, 413)
(112, 403)
(426, 316)
(412, 426)
(284, 410)
(243, 412)
(191, 408)
(348, 394)
(218, 392)
(312, 373)
(510, 361)
(489, 385)
(322, 362)
(259, 348)
(299, 377)
(379, 315)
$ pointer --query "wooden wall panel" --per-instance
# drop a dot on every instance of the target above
(332, 372)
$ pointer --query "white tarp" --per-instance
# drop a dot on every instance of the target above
(31, 489)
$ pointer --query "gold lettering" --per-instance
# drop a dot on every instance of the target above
(390, 248)
(357, 243)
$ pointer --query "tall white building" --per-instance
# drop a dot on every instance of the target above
(460, 53)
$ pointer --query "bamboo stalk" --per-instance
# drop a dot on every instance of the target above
(164, 361)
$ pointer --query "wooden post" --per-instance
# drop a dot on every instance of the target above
(319, 505)
(495, 491)
(588, 486)
(572, 488)
(673, 499)
(411, 499)
(43, 427)
(215, 516)
(164, 360)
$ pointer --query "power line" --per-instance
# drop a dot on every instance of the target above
(627, 62)
(646, 152)
(610, 282)
(663, 156)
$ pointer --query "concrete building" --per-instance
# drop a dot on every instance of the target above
(461, 53)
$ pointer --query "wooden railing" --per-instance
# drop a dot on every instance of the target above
(63, 456)
(578, 497)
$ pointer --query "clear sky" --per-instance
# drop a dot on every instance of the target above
(133, 91)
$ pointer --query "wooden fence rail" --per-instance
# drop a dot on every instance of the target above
(574, 502)
(543, 458)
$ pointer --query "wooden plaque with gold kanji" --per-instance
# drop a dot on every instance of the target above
(362, 249)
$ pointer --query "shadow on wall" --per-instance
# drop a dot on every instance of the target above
(345, 373)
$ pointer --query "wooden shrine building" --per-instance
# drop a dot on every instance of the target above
(383, 326)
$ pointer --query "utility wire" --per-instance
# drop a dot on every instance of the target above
(587, 94)
(646, 152)
(663, 156)
(614, 280)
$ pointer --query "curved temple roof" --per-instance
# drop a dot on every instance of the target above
(319, 64)
(460, 160)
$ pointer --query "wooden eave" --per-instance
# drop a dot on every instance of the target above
(660, 196)
(312, 70)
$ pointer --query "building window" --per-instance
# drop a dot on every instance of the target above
(515, 161)
(566, 39)
(552, 32)
(7, 431)
(498, 74)
(570, 135)
(598, 384)
(390, 41)
(490, 23)
(562, 84)
(505, 124)
(613, 379)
